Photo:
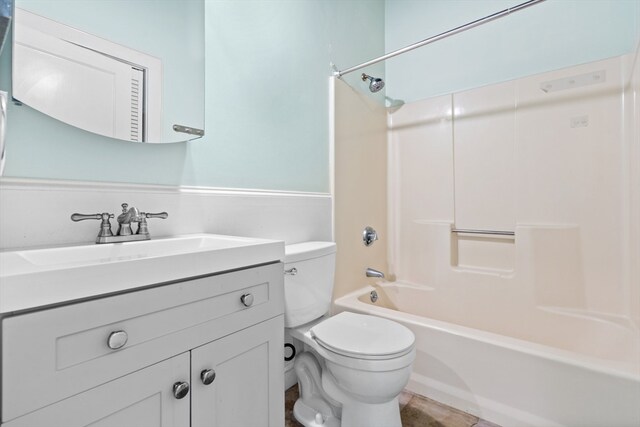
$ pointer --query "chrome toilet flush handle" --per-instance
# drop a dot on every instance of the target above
(292, 271)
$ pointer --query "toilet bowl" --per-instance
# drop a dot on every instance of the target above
(354, 366)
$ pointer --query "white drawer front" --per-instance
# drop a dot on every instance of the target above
(85, 345)
(53, 354)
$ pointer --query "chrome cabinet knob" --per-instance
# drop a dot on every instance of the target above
(117, 339)
(207, 376)
(247, 300)
(180, 389)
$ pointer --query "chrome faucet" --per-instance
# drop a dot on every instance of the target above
(125, 232)
(370, 272)
(128, 215)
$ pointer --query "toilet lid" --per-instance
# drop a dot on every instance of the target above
(359, 335)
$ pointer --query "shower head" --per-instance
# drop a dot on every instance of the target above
(376, 83)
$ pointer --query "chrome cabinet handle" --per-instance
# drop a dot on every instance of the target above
(180, 389)
(117, 339)
(247, 299)
(207, 376)
(292, 271)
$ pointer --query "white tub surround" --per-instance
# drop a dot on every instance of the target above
(539, 327)
(360, 188)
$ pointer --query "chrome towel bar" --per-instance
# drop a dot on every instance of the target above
(499, 233)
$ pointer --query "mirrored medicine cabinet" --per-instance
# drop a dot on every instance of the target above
(131, 70)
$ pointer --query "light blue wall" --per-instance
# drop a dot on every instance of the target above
(550, 35)
(267, 104)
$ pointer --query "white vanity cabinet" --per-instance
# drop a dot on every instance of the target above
(58, 368)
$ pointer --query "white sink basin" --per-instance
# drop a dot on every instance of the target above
(97, 254)
(37, 277)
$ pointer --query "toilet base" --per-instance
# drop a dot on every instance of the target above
(356, 413)
(314, 407)
(322, 403)
(309, 417)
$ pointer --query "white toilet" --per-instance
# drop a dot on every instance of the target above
(355, 365)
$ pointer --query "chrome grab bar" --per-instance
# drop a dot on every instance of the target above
(496, 232)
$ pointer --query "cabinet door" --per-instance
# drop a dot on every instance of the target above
(248, 389)
(142, 398)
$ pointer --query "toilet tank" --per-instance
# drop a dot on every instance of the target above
(308, 288)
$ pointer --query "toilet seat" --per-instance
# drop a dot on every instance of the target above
(363, 337)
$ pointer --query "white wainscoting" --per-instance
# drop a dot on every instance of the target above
(37, 212)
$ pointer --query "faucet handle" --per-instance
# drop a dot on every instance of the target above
(105, 226)
(162, 215)
(81, 217)
(142, 225)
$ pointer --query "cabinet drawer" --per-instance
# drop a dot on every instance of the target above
(53, 354)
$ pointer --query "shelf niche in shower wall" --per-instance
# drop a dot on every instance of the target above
(480, 252)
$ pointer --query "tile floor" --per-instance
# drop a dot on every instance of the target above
(415, 411)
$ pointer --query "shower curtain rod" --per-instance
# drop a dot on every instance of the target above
(441, 36)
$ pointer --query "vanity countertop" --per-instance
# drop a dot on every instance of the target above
(33, 278)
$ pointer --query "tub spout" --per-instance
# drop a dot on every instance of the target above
(370, 272)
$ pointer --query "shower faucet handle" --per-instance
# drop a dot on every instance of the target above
(369, 235)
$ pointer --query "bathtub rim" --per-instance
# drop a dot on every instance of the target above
(619, 370)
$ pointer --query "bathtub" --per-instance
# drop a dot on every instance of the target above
(550, 367)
